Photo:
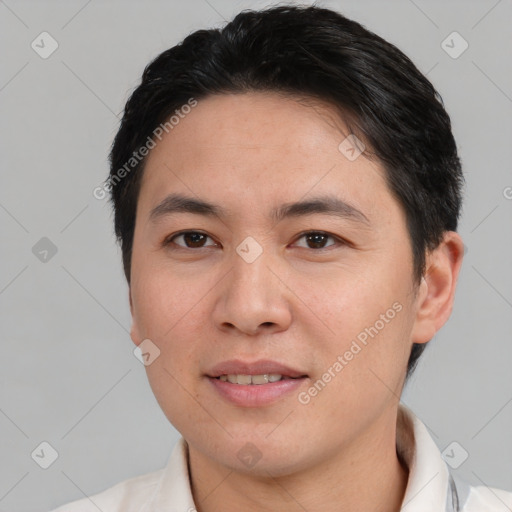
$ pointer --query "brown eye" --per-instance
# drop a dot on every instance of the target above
(191, 239)
(318, 239)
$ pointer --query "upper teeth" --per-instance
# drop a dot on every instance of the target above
(251, 379)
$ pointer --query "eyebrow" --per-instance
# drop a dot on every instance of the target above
(327, 205)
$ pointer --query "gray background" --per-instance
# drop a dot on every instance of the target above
(68, 373)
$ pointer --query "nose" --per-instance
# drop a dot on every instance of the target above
(252, 299)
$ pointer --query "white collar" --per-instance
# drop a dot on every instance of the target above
(429, 477)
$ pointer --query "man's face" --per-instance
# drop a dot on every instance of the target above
(288, 294)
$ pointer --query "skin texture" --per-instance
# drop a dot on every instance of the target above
(296, 304)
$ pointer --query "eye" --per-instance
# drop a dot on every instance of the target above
(317, 239)
(197, 240)
(191, 239)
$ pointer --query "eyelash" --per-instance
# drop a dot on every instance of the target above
(340, 241)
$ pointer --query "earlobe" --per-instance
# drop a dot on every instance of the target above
(437, 288)
(134, 333)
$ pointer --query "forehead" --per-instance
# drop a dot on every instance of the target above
(255, 150)
(256, 122)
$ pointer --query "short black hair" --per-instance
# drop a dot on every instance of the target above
(316, 53)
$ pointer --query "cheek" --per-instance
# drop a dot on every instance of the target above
(175, 394)
(369, 322)
(170, 311)
(348, 299)
(163, 302)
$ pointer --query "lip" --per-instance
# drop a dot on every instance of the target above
(256, 395)
(260, 367)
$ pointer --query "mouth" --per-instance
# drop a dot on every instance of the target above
(255, 380)
(255, 384)
(243, 390)
(262, 371)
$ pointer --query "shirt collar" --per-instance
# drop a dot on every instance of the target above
(427, 486)
(174, 489)
(428, 483)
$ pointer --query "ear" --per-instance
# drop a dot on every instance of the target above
(436, 292)
(134, 331)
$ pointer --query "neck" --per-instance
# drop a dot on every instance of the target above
(365, 475)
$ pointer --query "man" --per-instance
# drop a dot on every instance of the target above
(286, 193)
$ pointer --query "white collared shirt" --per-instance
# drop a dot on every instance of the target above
(430, 487)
